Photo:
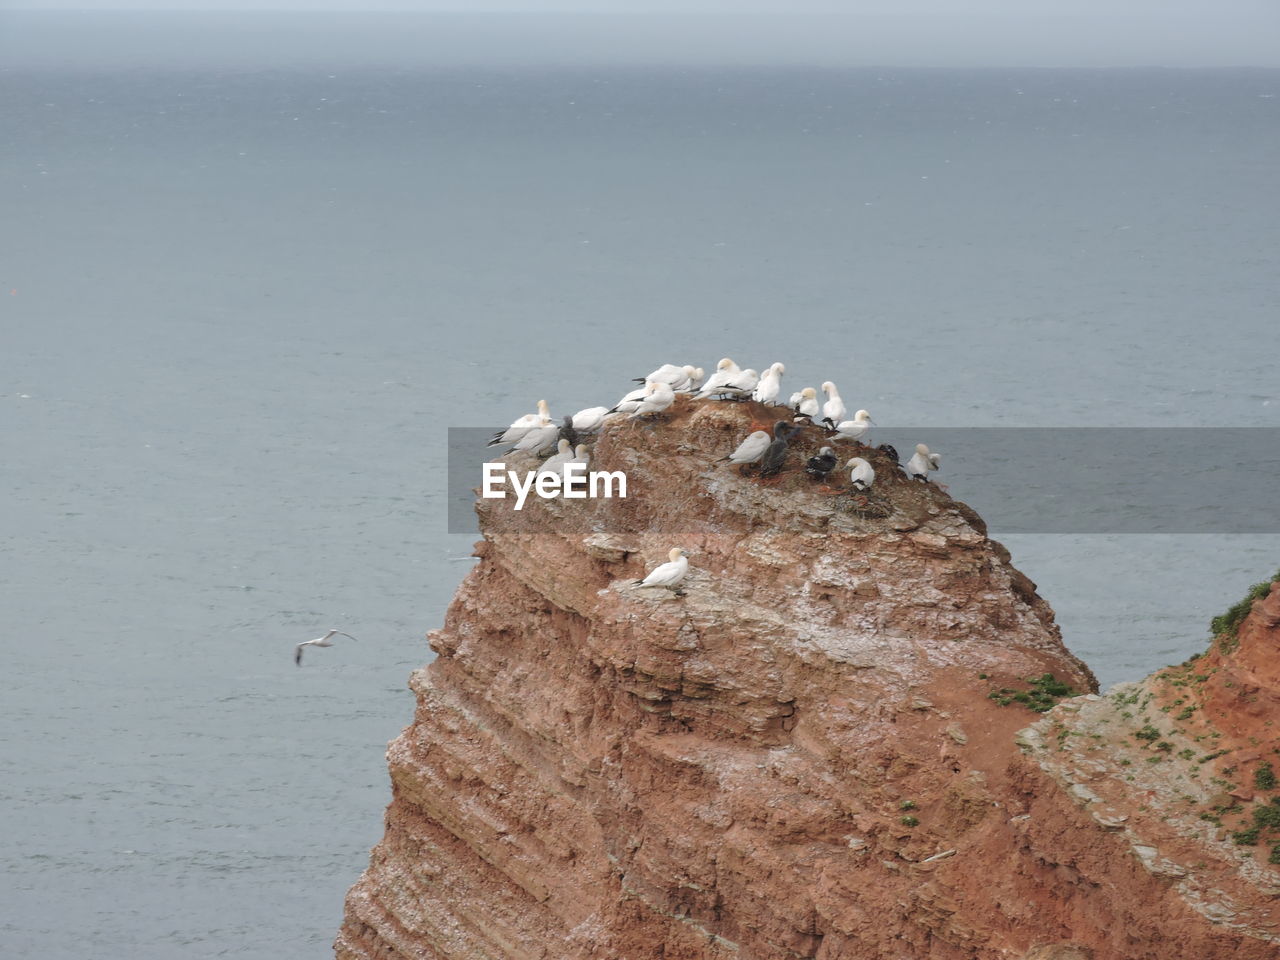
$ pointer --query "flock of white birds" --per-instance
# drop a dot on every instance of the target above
(561, 443)
(539, 434)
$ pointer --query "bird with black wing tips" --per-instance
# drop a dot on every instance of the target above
(521, 426)
(324, 641)
(856, 428)
(922, 463)
(819, 466)
(751, 449)
(668, 575)
(861, 474)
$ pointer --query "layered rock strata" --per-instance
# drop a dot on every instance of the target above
(798, 759)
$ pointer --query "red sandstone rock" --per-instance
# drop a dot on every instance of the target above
(601, 771)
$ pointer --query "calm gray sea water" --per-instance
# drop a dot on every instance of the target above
(239, 311)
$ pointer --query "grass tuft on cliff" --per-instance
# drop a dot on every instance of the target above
(1226, 627)
(1046, 690)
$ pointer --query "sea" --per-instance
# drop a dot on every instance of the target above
(243, 301)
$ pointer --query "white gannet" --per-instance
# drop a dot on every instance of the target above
(632, 400)
(726, 370)
(680, 379)
(580, 455)
(770, 385)
(554, 463)
(856, 428)
(670, 574)
(589, 420)
(667, 373)
(741, 385)
(807, 405)
(751, 449)
(317, 642)
(695, 381)
(658, 396)
(922, 462)
(862, 475)
(833, 411)
(822, 464)
(794, 402)
(521, 426)
(539, 439)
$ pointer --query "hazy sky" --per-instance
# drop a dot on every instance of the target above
(1049, 33)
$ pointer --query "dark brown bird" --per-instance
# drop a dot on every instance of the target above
(774, 457)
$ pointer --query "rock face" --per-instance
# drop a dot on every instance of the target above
(800, 758)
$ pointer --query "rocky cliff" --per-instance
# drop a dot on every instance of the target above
(813, 754)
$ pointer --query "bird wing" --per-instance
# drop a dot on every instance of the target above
(297, 653)
(753, 447)
(660, 575)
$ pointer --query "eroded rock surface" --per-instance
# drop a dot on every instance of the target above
(797, 759)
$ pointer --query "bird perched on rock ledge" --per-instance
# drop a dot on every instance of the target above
(776, 452)
(670, 574)
(822, 464)
(922, 463)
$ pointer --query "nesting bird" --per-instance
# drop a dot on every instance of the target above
(770, 385)
(920, 465)
(861, 474)
(658, 396)
(726, 370)
(776, 453)
(555, 463)
(805, 403)
(521, 426)
(538, 439)
(856, 428)
(833, 410)
(751, 449)
(670, 574)
(819, 466)
(741, 386)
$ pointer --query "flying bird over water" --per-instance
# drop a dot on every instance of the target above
(670, 574)
(324, 641)
(822, 464)
(923, 462)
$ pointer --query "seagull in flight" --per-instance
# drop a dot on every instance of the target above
(317, 642)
